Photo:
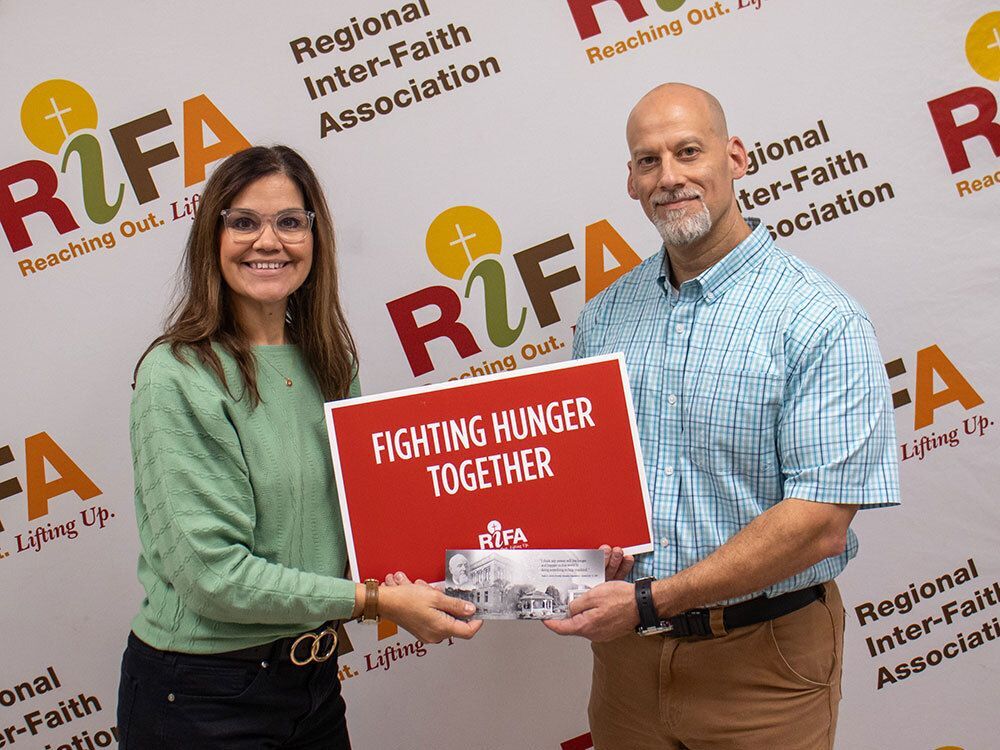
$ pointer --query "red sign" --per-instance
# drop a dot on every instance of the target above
(546, 458)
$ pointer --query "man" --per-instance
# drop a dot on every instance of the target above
(458, 568)
(766, 423)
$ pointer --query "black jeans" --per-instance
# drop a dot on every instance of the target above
(171, 700)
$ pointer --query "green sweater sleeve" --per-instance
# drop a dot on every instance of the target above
(197, 511)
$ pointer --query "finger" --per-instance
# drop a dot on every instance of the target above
(569, 626)
(556, 626)
(580, 604)
(628, 562)
(400, 577)
(606, 549)
(456, 607)
(390, 580)
(612, 562)
(465, 630)
(624, 567)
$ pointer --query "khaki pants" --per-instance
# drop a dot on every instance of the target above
(775, 685)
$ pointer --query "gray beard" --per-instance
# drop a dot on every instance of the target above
(684, 229)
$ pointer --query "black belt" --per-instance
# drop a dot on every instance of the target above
(761, 609)
(313, 646)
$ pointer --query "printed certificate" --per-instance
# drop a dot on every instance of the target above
(521, 584)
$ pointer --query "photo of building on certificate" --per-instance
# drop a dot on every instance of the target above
(521, 584)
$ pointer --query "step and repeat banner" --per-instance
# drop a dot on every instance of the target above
(474, 158)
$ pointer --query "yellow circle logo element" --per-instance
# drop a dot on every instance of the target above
(982, 46)
(54, 109)
(458, 236)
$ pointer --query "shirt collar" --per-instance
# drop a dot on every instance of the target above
(711, 283)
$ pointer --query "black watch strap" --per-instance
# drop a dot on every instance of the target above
(644, 601)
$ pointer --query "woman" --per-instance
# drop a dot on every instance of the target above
(243, 555)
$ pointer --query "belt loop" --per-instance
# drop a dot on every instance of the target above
(717, 622)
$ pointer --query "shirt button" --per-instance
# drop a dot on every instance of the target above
(680, 328)
(669, 471)
(671, 399)
(665, 542)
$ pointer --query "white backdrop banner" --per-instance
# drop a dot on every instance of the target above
(474, 157)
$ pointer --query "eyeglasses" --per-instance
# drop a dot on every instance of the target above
(245, 225)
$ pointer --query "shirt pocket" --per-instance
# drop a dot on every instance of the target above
(730, 422)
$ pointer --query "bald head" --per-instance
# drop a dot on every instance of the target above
(682, 164)
(681, 102)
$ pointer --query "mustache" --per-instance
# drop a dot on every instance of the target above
(669, 196)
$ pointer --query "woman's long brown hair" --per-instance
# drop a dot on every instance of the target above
(204, 313)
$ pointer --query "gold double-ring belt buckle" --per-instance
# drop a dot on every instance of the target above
(322, 647)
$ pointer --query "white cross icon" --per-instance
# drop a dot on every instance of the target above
(57, 114)
(462, 241)
(996, 44)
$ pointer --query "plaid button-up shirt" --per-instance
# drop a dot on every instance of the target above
(758, 380)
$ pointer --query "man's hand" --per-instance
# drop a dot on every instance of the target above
(617, 565)
(606, 612)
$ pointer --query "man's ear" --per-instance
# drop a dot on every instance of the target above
(630, 184)
(738, 159)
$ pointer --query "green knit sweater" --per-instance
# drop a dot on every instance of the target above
(242, 540)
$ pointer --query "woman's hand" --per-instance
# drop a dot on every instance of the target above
(424, 611)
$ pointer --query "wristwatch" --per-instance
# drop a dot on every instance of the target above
(649, 622)
(369, 613)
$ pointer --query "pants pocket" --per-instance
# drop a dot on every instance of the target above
(205, 680)
(805, 644)
(209, 706)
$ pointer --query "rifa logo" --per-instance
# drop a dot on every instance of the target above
(656, 30)
(950, 113)
(932, 365)
(59, 117)
(463, 243)
(585, 17)
(497, 537)
(41, 451)
(938, 383)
